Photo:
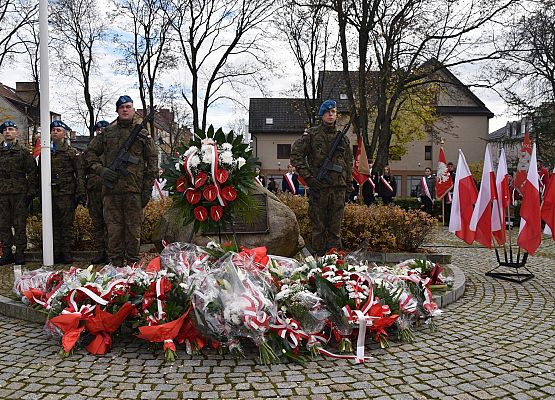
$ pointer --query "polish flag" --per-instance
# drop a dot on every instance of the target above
(548, 208)
(498, 213)
(36, 149)
(481, 216)
(530, 233)
(464, 198)
(361, 169)
(444, 183)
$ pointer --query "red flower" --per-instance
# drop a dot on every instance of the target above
(181, 184)
(200, 213)
(222, 175)
(229, 193)
(216, 212)
(210, 192)
(200, 179)
(192, 196)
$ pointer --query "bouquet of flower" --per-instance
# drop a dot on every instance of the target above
(210, 179)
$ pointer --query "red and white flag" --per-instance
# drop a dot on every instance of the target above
(36, 149)
(523, 163)
(444, 183)
(530, 233)
(498, 213)
(464, 198)
(548, 208)
(361, 169)
(481, 216)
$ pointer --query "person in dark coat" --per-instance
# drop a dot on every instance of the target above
(426, 191)
(369, 187)
(290, 182)
(387, 186)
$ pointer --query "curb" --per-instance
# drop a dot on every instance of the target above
(456, 291)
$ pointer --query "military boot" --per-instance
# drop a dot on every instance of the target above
(19, 258)
(100, 258)
(7, 258)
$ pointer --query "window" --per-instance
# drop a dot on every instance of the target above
(412, 182)
(283, 151)
(427, 152)
(269, 121)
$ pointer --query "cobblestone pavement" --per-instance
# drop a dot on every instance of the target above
(497, 342)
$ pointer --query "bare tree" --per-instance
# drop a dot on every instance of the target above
(306, 29)
(220, 43)
(148, 53)
(14, 15)
(78, 30)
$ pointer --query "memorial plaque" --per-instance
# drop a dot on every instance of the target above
(259, 223)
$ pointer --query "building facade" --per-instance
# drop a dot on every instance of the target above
(463, 123)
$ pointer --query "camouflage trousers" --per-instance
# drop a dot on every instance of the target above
(63, 216)
(96, 213)
(13, 213)
(325, 209)
(123, 214)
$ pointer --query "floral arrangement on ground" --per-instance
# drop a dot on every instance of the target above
(220, 297)
(210, 179)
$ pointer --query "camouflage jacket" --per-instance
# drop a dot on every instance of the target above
(67, 171)
(18, 171)
(103, 149)
(93, 182)
(310, 150)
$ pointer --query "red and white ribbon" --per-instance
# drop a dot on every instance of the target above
(213, 171)
(289, 330)
(254, 316)
(426, 189)
(386, 184)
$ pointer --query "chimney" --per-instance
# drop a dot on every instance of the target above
(27, 92)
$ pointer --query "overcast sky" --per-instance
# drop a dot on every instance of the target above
(63, 94)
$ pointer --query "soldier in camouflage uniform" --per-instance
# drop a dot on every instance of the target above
(326, 200)
(18, 187)
(94, 204)
(124, 202)
(68, 190)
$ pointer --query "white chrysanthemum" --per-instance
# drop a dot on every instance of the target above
(194, 161)
(227, 146)
(226, 157)
(240, 162)
(190, 150)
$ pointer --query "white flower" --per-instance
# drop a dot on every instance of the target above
(206, 152)
(227, 146)
(213, 245)
(177, 165)
(194, 161)
(226, 157)
(240, 162)
(207, 141)
(183, 285)
(190, 150)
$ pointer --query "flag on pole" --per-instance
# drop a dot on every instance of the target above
(481, 216)
(500, 204)
(361, 169)
(523, 163)
(464, 198)
(530, 233)
(444, 183)
(548, 208)
(36, 149)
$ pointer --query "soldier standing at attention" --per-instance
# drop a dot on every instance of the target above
(124, 201)
(68, 190)
(94, 203)
(18, 187)
(326, 201)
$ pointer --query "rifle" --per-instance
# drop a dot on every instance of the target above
(328, 165)
(119, 164)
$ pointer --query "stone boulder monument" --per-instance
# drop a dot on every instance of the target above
(275, 227)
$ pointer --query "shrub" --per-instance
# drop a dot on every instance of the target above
(385, 228)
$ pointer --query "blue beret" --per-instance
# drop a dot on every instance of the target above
(122, 100)
(59, 124)
(326, 105)
(7, 124)
(101, 124)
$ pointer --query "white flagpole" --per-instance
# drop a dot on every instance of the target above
(46, 188)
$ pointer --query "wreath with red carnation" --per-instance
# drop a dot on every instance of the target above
(210, 179)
